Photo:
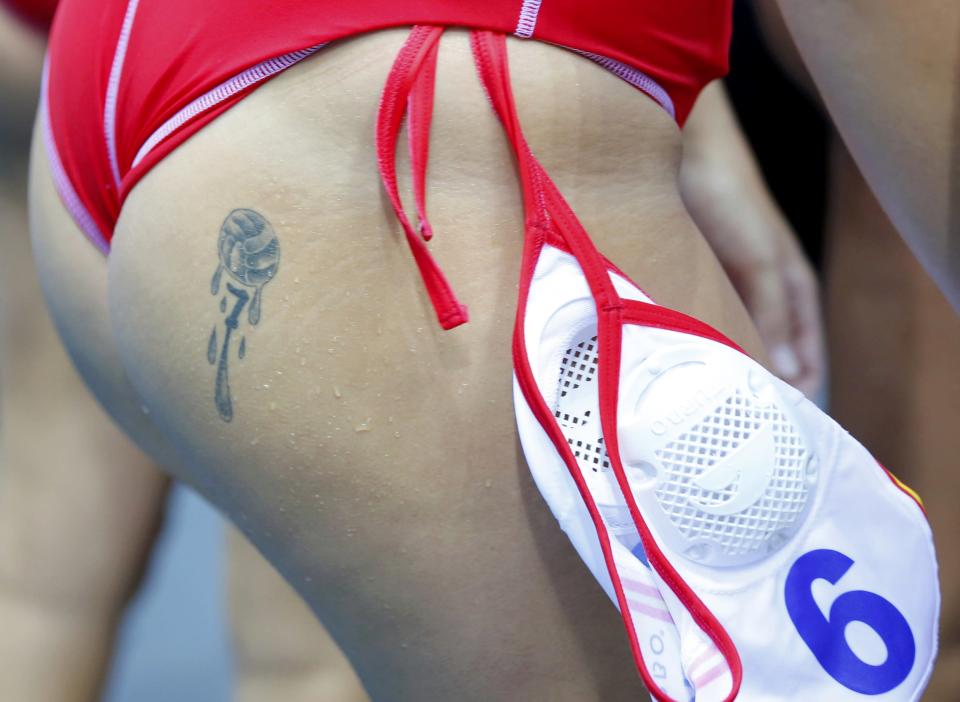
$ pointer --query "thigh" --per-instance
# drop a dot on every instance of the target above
(281, 652)
(371, 456)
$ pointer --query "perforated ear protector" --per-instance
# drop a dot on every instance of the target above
(710, 446)
(714, 452)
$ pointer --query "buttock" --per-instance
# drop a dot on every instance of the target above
(370, 455)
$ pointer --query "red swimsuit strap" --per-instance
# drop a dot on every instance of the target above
(416, 59)
(419, 118)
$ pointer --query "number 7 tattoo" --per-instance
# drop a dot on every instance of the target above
(249, 252)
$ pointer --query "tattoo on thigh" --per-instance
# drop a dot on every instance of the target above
(249, 252)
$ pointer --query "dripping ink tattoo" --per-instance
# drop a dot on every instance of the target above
(249, 252)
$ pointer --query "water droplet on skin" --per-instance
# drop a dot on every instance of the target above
(212, 346)
(396, 434)
(242, 350)
(254, 441)
(488, 484)
(296, 281)
(363, 426)
(336, 392)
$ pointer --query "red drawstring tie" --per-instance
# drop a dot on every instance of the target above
(419, 117)
(410, 86)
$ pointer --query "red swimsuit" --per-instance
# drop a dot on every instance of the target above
(130, 80)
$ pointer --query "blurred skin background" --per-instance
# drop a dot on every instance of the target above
(81, 508)
(893, 340)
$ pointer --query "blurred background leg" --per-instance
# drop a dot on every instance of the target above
(893, 340)
(79, 504)
(894, 349)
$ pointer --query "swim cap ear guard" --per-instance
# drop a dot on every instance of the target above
(754, 549)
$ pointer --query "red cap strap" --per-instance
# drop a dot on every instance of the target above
(545, 206)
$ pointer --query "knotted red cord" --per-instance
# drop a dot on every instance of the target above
(419, 117)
